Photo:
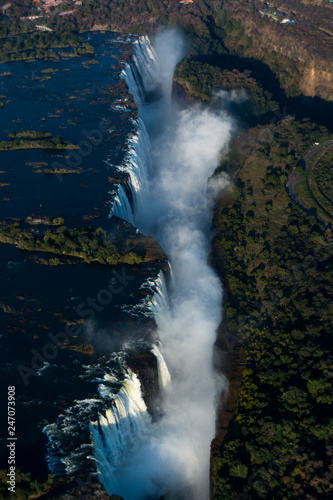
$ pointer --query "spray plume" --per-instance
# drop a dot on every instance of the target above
(172, 457)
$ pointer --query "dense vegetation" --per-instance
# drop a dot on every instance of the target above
(26, 486)
(323, 179)
(277, 264)
(38, 141)
(228, 35)
(85, 243)
(204, 80)
(29, 134)
(316, 190)
(22, 42)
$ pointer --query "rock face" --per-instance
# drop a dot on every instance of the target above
(317, 80)
(301, 51)
(182, 94)
(230, 360)
(144, 364)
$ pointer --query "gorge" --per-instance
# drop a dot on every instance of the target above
(174, 153)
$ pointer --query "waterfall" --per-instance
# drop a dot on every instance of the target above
(136, 164)
(117, 433)
(156, 303)
(159, 304)
(142, 74)
(164, 378)
(66, 428)
(121, 207)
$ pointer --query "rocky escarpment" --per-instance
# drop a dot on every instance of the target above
(299, 53)
(144, 364)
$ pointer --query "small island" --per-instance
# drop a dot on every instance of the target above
(122, 246)
(31, 139)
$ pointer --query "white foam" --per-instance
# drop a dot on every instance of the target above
(117, 433)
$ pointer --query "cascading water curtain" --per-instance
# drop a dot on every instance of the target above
(170, 457)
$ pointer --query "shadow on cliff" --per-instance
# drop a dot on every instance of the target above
(317, 109)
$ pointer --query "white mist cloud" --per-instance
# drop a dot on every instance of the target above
(237, 96)
(217, 184)
(170, 48)
(184, 157)
(174, 459)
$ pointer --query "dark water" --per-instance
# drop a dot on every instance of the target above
(74, 102)
(37, 300)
